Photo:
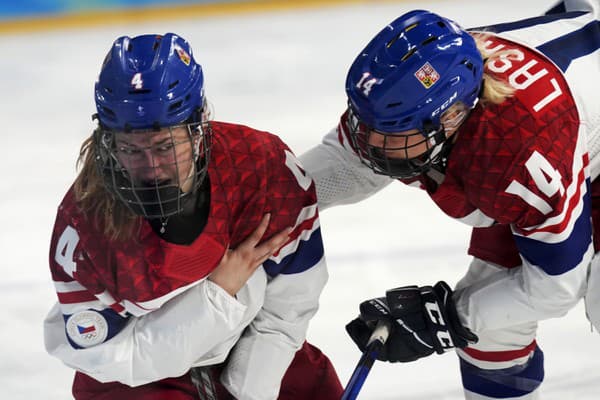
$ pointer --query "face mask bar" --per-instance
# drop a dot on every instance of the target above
(154, 172)
(408, 155)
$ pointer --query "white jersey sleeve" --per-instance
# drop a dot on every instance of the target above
(338, 173)
(165, 342)
(258, 362)
(297, 275)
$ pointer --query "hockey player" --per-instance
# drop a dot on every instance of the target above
(501, 127)
(187, 249)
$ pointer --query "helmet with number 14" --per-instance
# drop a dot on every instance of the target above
(152, 143)
(409, 90)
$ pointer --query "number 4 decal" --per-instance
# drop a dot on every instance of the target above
(547, 179)
(65, 248)
(137, 81)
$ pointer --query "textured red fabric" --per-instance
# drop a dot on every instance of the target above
(496, 243)
(493, 147)
(248, 178)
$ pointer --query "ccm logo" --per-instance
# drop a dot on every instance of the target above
(435, 315)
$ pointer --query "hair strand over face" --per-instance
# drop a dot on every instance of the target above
(114, 219)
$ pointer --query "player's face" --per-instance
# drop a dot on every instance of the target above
(163, 157)
(401, 145)
(412, 144)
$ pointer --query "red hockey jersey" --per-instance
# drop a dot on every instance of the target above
(519, 172)
(143, 310)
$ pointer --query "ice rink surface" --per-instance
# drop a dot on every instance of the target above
(282, 72)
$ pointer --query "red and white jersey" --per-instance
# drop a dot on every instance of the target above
(523, 167)
(142, 310)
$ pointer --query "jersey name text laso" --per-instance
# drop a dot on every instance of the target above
(525, 75)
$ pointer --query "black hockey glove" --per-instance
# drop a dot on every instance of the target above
(422, 320)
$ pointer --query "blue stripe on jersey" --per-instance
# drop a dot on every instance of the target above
(308, 254)
(576, 44)
(115, 323)
(558, 258)
(525, 23)
(511, 382)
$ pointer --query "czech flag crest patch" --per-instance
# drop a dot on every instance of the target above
(87, 328)
(427, 75)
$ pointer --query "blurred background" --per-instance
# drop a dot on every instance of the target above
(274, 65)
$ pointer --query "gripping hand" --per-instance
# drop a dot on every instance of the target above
(422, 320)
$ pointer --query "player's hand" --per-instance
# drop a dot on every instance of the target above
(423, 320)
(237, 265)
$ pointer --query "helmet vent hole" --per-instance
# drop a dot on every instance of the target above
(108, 111)
(429, 40)
(141, 91)
(411, 27)
(175, 106)
(441, 24)
(391, 42)
(392, 105)
(410, 53)
(173, 84)
(108, 90)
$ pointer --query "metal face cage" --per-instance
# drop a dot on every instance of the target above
(393, 154)
(405, 155)
(155, 171)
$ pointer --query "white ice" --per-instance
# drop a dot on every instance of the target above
(282, 72)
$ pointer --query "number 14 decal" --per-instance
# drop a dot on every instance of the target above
(547, 179)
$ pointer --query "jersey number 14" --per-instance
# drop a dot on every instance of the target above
(547, 179)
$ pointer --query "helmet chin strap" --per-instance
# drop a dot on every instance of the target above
(189, 179)
(196, 142)
(435, 175)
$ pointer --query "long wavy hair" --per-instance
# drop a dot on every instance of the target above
(109, 214)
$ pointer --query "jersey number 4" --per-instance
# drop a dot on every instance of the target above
(547, 179)
(65, 249)
(294, 165)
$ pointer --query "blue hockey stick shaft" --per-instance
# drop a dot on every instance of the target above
(374, 346)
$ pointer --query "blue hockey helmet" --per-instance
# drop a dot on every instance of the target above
(412, 71)
(149, 81)
(152, 144)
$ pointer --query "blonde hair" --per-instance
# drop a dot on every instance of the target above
(495, 90)
(96, 203)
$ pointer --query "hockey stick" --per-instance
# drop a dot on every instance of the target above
(374, 345)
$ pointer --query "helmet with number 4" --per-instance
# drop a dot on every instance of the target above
(152, 144)
(412, 71)
(148, 81)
